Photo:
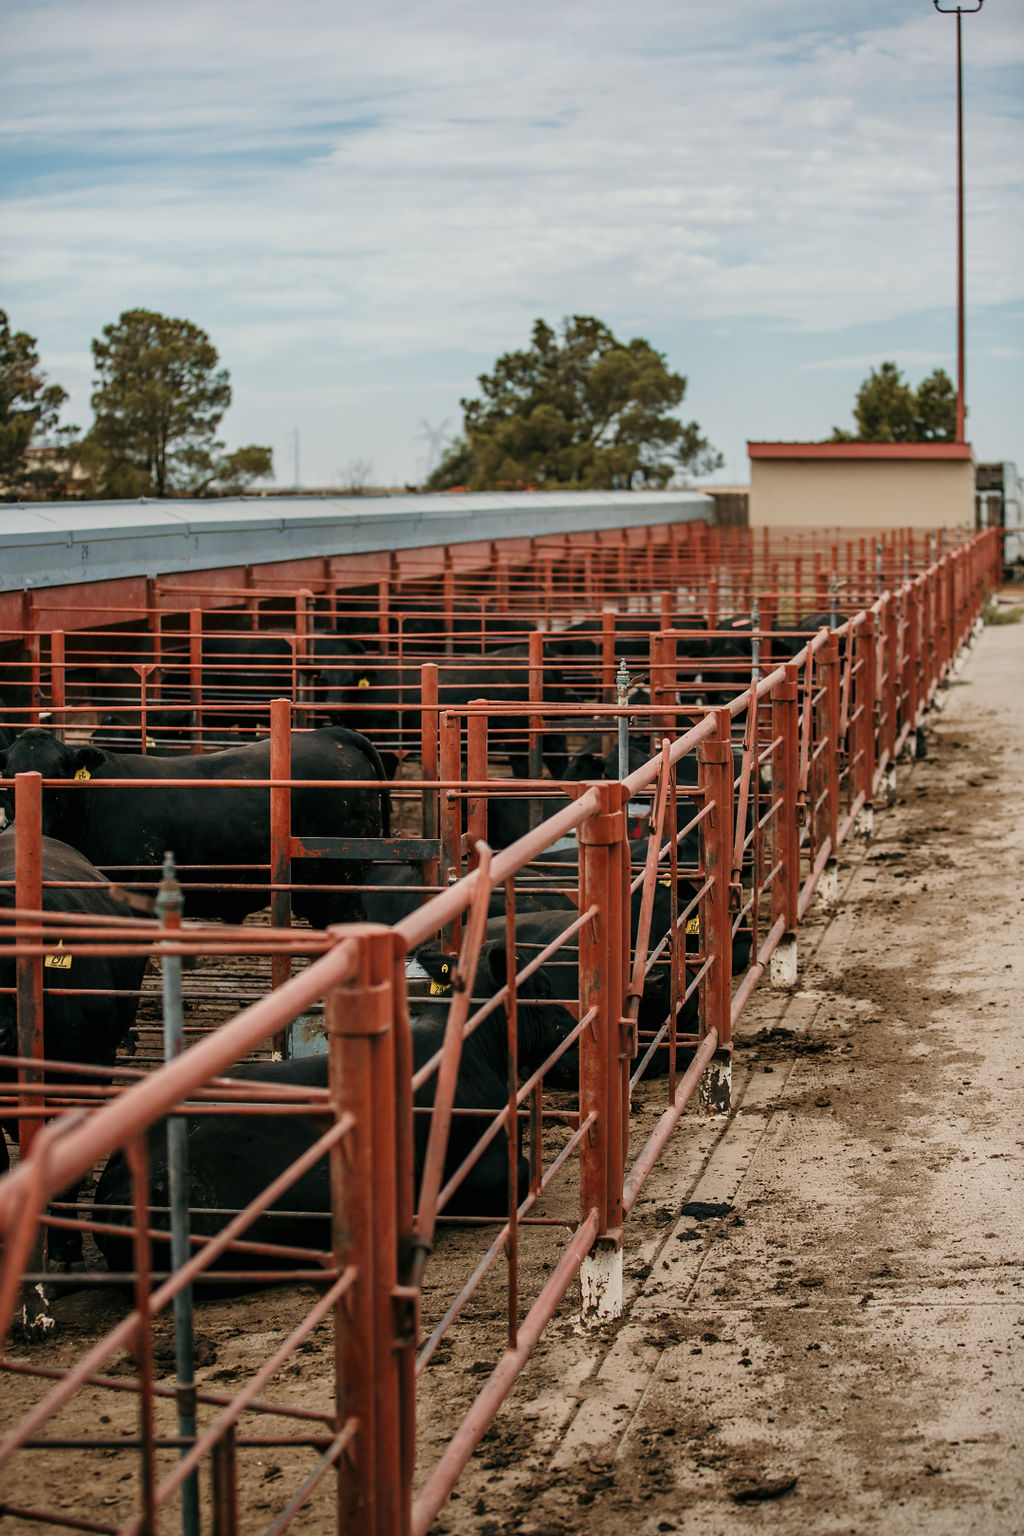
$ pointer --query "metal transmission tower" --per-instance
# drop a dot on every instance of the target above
(961, 406)
(434, 437)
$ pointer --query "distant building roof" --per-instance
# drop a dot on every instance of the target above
(858, 450)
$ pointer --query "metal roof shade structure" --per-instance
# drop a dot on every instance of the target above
(46, 544)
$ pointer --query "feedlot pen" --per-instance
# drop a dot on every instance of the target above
(590, 939)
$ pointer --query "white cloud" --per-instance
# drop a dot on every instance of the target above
(334, 185)
(909, 358)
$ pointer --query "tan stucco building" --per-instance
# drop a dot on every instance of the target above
(861, 485)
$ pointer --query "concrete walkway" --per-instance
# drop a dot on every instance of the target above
(842, 1348)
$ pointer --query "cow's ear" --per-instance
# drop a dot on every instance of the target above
(84, 760)
(492, 959)
(585, 766)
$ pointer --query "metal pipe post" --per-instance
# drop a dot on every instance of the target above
(280, 840)
(373, 1494)
(715, 767)
(622, 681)
(603, 881)
(28, 896)
(169, 903)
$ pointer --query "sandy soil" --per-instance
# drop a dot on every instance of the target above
(832, 1350)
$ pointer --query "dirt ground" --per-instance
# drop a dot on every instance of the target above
(840, 1349)
(823, 1289)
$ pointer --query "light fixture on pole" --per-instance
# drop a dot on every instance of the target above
(958, 11)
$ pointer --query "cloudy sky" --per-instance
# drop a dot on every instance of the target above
(363, 205)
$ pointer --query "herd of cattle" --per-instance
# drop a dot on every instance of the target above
(220, 834)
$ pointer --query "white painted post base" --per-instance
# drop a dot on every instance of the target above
(887, 785)
(601, 1284)
(828, 885)
(782, 965)
(864, 821)
(716, 1086)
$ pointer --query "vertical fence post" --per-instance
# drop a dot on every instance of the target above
(224, 1477)
(604, 1069)
(280, 841)
(28, 896)
(373, 1494)
(476, 799)
(786, 841)
(608, 656)
(715, 768)
(169, 903)
(862, 722)
(448, 588)
(32, 648)
(450, 829)
(663, 685)
(828, 792)
(534, 744)
(889, 725)
(195, 674)
(57, 692)
(912, 653)
(429, 756)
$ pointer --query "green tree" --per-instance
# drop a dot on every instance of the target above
(159, 397)
(888, 410)
(29, 411)
(935, 413)
(583, 410)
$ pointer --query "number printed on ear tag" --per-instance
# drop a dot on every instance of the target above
(61, 961)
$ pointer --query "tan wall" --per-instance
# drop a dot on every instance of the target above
(831, 493)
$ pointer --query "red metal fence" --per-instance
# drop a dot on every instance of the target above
(746, 805)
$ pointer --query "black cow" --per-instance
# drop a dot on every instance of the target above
(90, 1023)
(242, 673)
(120, 733)
(226, 828)
(232, 1157)
(385, 701)
(422, 626)
(592, 762)
(793, 638)
(633, 633)
(395, 890)
(558, 977)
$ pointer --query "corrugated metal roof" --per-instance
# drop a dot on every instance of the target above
(55, 543)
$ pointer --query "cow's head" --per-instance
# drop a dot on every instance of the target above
(542, 1022)
(343, 673)
(39, 751)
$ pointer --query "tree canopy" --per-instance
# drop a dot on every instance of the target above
(158, 399)
(29, 412)
(888, 410)
(583, 410)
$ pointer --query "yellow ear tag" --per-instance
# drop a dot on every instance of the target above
(82, 773)
(150, 742)
(364, 682)
(665, 880)
(60, 961)
(693, 925)
(439, 989)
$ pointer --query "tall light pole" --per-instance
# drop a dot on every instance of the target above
(961, 408)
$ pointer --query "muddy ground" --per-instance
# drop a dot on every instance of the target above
(823, 1290)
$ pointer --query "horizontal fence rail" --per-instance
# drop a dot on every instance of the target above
(561, 942)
